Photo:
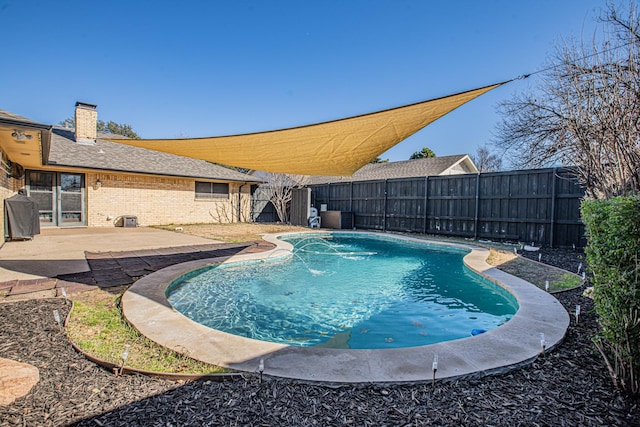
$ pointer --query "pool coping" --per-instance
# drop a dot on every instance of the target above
(513, 344)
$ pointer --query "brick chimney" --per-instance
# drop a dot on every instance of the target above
(86, 123)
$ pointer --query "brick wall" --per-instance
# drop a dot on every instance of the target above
(86, 118)
(158, 200)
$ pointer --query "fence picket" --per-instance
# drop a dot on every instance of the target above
(538, 205)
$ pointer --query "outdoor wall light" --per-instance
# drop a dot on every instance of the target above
(19, 135)
(98, 184)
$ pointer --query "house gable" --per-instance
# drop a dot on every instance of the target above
(432, 166)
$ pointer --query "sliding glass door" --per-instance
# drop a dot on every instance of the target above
(60, 197)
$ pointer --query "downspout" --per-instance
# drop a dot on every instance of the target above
(240, 201)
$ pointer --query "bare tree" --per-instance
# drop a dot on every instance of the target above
(586, 110)
(281, 186)
(486, 161)
(222, 213)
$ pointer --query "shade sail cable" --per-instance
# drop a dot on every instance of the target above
(338, 147)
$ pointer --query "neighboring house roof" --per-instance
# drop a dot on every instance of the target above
(431, 166)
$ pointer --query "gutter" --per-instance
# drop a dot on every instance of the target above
(240, 201)
(24, 124)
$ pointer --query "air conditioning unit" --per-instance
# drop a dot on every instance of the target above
(127, 221)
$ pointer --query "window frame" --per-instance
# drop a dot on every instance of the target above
(216, 191)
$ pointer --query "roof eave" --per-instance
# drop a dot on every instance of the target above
(24, 123)
(45, 134)
(91, 168)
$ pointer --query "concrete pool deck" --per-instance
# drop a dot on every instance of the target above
(515, 343)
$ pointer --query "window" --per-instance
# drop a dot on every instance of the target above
(212, 190)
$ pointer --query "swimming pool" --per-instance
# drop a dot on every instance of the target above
(349, 291)
(517, 342)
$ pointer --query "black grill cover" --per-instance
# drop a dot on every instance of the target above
(21, 217)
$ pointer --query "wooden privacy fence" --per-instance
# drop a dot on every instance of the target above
(539, 206)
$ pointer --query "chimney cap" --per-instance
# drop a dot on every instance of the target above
(85, 105)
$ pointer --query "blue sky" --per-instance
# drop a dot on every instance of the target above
(206, 68)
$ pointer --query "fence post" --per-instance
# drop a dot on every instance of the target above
(552, 223)
(384, 209)
(426, 203)
(477, 210)
(351, 198)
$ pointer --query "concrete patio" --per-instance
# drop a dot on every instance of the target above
(78, 259)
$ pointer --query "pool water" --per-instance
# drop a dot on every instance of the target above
(346, 291)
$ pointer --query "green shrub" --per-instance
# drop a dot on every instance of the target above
(612, 254)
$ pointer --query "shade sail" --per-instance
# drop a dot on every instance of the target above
(338, 147)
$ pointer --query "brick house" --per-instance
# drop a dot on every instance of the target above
(80, 179)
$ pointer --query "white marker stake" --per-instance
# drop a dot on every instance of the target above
(125, 353)
(125, 356)
(434, 367)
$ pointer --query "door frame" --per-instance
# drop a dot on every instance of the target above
(56, 198)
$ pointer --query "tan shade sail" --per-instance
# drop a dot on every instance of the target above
(338, 147)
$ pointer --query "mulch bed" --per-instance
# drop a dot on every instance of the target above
(567, 386)
(567, 259)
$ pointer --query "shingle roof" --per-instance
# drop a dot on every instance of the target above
(430, 166)
(111, 156)
(4, 114)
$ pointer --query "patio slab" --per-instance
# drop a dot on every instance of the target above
(515, 343)
(61, 251)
